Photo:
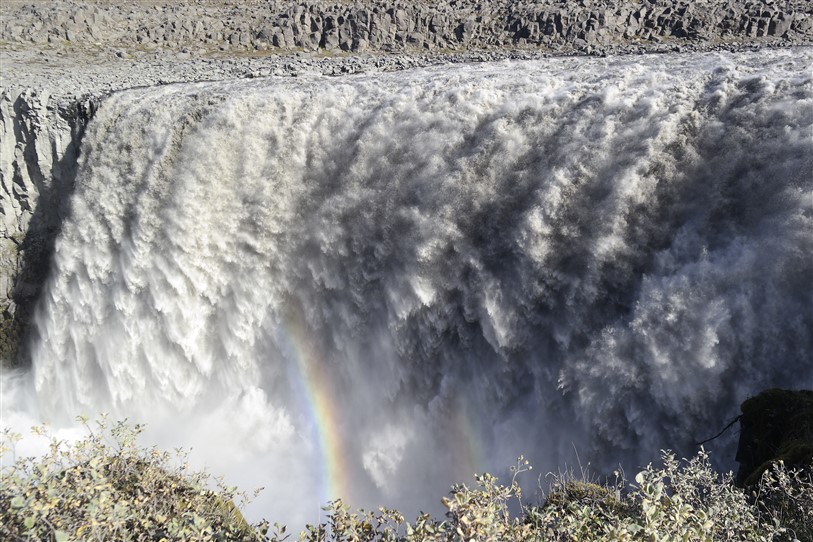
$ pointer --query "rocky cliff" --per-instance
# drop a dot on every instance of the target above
(39, 141)
(386, 25)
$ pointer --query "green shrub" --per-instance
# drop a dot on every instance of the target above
(786, 497)
(692, 502)
(104, 487)
(677, 502)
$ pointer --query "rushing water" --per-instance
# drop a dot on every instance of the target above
(374, 286)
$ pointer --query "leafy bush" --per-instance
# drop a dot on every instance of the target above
(677, 502)
(105, 487)
(786, 497)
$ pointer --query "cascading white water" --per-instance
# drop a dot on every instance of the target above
(374, 286)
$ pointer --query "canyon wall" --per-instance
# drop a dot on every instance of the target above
(38, 157)
(376, 25)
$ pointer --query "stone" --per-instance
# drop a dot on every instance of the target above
(387, 24)
(361, 45)
(776, 425)
(330, 40)
(780, 25)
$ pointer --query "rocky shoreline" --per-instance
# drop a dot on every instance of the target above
(59, 59)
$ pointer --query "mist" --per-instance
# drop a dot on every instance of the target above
(374, 286)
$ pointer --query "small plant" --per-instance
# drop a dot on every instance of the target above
(692, 502)
(786, 498)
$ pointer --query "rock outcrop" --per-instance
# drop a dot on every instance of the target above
(386, 25)
(776, 425)
(38, 157)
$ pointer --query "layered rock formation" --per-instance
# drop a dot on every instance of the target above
(384, 25)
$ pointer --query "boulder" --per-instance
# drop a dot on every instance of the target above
(776, 425)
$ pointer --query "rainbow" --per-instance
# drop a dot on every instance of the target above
(312, 382)
(466, 435)
(320, 404)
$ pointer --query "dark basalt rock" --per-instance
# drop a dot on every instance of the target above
(776, 425)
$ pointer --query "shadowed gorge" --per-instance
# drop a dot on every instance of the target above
(373, 286)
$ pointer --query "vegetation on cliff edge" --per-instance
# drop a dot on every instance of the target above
(107, 487)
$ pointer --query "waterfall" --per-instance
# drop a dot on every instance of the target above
(373, 286)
